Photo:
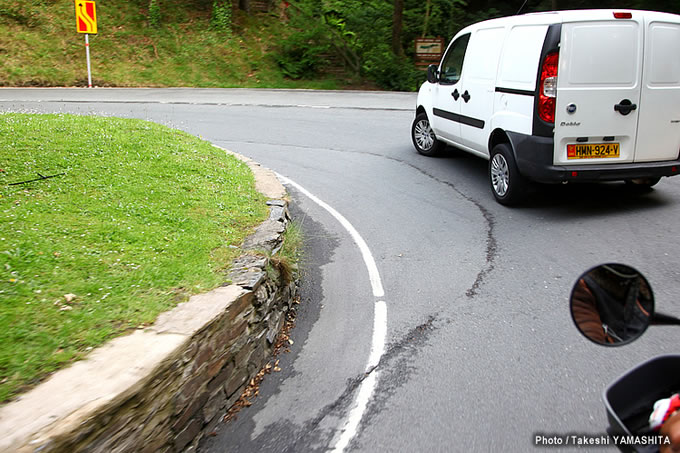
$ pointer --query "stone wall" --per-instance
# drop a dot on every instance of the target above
(162, 388)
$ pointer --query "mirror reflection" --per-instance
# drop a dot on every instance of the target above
(612, 304)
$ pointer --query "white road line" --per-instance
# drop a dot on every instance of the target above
(367, 387)
(373, 274)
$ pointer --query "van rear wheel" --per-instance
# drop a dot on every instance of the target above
(507, 184)
(423, 137)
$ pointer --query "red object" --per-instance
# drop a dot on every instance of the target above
(623, 16)
(663, 409)
(574, 174)
(546, 104)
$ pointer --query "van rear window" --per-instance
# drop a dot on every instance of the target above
(604, 54)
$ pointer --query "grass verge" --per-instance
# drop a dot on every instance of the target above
(139, 218)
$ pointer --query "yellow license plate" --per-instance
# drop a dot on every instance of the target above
(592, 151)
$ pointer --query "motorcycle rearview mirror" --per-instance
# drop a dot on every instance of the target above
(612, 304)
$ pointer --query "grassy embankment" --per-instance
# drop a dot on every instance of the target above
(39, 46)
(140, 217)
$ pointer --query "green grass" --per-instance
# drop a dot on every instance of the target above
(291, 249)
(288, 259)
(40, 47)
(142, 217)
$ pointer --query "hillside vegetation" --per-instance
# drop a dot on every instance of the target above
(39, 46)
(245, 43)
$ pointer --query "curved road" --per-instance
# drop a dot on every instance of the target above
(480, 352)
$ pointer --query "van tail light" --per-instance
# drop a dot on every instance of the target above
(548, 88)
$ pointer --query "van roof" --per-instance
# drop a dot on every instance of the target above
(556, 17)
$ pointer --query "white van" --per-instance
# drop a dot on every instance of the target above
(567, 96)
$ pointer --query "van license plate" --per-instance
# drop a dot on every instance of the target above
(592, 151)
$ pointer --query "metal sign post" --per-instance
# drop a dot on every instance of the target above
(86, 22)
(87, 52)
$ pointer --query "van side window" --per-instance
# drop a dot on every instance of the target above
(452, 64)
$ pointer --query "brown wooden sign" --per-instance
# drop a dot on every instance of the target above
(429, 48)
(429, 51)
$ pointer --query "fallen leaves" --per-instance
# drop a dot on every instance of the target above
(253, 388)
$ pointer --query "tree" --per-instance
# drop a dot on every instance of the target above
(397, 23)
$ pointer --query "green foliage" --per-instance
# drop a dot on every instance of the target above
(155, 15)
(302, 53)
(221, 16)
(185, 51)
(313, 44)
(390, 71)
(20, 13)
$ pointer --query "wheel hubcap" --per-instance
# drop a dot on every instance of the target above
(423, 135)
(500, 176)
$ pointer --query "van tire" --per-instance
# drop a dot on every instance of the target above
(507, 184)
(424, 140)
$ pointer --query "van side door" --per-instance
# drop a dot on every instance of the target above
(659, 123)
(478, 88)
(446, 99)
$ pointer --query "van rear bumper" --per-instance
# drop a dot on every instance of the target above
(534, 157)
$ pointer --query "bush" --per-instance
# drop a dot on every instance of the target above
(155, 15)
(25, 15)
(390, 71)
(221, 16)
(303, 52)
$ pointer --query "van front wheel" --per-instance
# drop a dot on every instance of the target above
(423, 137)
(507, 185)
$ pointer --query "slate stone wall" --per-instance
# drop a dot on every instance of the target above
(189, 392)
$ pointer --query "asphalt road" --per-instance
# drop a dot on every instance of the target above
(481, 353)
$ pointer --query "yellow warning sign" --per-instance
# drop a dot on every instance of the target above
(86, 17)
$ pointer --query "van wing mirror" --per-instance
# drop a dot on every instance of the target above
(433, 73)
(612, 304)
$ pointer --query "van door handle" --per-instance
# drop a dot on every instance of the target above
(466, 96)
(625, 107)
(455, 94)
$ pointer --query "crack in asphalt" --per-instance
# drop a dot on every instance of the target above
(413, 339)
(491, 243)
(396, 370)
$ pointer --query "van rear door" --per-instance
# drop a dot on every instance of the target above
(598, 90)
(659, 124)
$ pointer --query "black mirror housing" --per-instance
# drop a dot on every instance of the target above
(432, 73)
(612, 304)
